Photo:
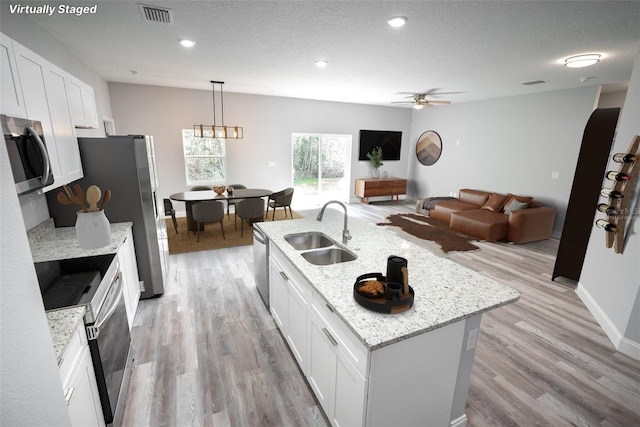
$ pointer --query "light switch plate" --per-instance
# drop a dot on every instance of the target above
(272, 164)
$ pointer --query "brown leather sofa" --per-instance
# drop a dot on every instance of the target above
(494, 217)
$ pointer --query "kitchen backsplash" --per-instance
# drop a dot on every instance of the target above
(34, 209)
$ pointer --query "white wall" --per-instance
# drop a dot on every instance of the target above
(268, 123)
(30, 386)
(610, 282)
(506, 145)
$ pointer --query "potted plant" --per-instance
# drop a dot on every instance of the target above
(375, 156)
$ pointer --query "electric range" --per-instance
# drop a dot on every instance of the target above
(73, 282)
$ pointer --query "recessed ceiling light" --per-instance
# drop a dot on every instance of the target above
(397, 21)
(322, 63)
(579, 61)
(187, 43)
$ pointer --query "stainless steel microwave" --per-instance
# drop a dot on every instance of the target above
(28, 154)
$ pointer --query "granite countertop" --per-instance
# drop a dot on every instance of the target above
(49, 243)
(445, 292)
(63, 324)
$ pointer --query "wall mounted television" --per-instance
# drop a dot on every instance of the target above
(390, 142)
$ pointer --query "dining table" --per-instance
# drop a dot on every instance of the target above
(190, 198)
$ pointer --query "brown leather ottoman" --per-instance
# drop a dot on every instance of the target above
(481, 223)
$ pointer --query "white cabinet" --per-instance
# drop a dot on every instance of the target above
(336, 380)
(288, 296)
(332, 359)
(129, 271)
(82, 103)
(79, 382)
(66, 142)
(11, 102)
(44, 89)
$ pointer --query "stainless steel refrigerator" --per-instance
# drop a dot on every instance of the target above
(126, 166)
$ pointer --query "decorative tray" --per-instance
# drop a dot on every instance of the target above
(380, 302)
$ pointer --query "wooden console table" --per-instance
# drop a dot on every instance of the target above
(393, 187)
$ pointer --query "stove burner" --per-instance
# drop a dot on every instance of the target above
(69, 289)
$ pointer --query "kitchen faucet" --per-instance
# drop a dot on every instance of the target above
(345, 232)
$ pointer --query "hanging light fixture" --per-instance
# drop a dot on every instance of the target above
(215, 131)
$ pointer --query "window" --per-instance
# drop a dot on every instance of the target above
(204, 159)
(321, 167)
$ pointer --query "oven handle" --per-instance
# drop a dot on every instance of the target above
(102, 319)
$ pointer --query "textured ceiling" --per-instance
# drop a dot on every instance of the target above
(483, 49)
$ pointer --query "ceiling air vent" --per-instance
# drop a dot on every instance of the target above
(156, 14)
(534, 82)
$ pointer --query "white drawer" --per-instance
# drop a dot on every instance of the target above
(294, 277)
(72, 353)
(354, 349)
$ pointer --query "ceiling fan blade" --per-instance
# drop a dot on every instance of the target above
(438, 102)
(401, 102)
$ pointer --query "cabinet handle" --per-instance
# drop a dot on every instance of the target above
(68, 394)
(328, 334)
(284, 276)
(329, 307)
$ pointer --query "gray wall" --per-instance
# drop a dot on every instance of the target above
(610, 282)
(268, 123)
(506, 145)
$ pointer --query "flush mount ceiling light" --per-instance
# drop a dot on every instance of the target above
(215, 131)
(322, 63)
(187, 43)
(397, 21)
(579, 61)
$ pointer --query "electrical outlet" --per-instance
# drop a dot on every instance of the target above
(472, 339)
(272, 164)
(555, 175)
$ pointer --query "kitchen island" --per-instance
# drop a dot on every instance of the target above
(410, 368)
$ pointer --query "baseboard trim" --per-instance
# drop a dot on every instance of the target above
(622, 344)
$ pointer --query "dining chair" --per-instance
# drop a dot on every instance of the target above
(208, 211)
(280, 199)
(251, 210)
(168, 210)
(234, 201)
(200, 188)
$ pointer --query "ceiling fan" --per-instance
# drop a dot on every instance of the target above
(420, 99)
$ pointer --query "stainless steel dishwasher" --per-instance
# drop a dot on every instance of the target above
(261, 263)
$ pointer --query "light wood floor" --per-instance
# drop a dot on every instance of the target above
(208, 352)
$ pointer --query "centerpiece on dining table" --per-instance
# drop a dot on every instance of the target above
(219, 189)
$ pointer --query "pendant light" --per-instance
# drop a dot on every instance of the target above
(215, 131)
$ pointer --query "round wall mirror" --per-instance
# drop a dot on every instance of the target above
(429, 147)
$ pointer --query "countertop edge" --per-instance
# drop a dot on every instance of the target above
(62, 325)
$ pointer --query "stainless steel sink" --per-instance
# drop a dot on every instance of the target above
(329, 256)
(309, 240)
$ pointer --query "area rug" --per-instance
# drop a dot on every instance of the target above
(427, 228)
(211, 238)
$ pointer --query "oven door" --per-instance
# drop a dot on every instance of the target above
(109, 342)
